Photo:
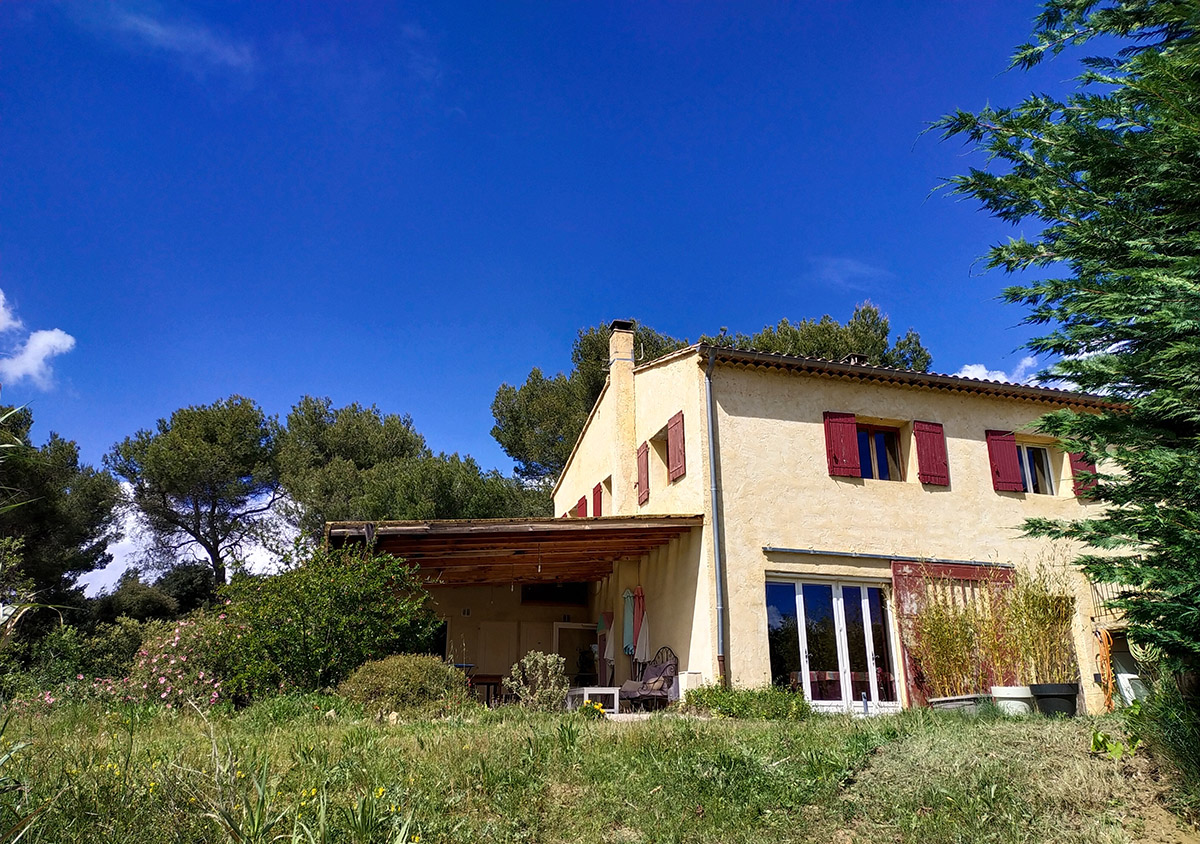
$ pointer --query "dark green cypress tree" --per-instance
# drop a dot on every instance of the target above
(1111, 176)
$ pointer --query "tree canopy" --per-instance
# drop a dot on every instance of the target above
(62, 510)
(538, 422)
(204, 481)
(1109, 178)
(356, 462)
(867, 334)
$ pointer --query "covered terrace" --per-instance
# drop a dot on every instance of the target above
(506, 587)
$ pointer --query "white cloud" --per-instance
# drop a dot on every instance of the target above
(32, 359)
(1024, 373)
(850, 273)
(193, 42)
(8, 319)
(29, 358)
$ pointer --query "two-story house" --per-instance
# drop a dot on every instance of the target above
(766, 509)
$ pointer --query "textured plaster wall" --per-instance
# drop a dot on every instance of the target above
(678, 578)
(777, 491)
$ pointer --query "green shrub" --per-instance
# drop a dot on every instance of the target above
(66, 654)
(309, 626)
(407, 683)
(539, 682)
(767, 702)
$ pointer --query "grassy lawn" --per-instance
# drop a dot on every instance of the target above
(155, 776)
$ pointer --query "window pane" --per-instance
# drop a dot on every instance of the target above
(885, 672)
(892, 441)
(783, 633)
(881, 456)
(864, 454)
(823, 671)
(856, 642)
(1040, 469)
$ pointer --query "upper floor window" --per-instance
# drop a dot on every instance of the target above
(879, 453)
(1036, 474)
(1019, 467)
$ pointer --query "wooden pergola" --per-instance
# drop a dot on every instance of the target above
(474, 551)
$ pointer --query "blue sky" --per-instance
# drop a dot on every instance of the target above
(407, 205)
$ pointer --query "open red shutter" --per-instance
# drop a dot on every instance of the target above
(841, 444)
(643, 463)
(581, 508)
(933, 467)
(676, 465)
(1006, 466)
(597, 499)
(1079, 463)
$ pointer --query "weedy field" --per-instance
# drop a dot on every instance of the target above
(313, 769)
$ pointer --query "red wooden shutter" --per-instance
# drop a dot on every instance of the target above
(1006, 466)
(581, 508)
(676, 464)
(841, 444)
(933, 467)
(1079, 463)
(597, 499)
(643, 482)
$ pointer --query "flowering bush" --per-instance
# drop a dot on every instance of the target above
(177, 662)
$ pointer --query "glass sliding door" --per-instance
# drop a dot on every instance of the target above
(833, 641)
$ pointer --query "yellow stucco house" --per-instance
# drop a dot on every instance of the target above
(769, 508)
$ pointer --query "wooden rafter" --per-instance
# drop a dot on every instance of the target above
(517, 550)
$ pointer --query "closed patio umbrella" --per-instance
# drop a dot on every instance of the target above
(641, 632)
(628, 626)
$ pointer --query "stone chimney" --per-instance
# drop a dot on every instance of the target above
(624, 442)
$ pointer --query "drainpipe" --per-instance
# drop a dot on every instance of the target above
(715, 498)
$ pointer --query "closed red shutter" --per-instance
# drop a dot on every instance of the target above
(581, 508)
(676, 464)
(1079, 463)
(643, 463)
(597, 499)
(841, 444)
(1006, 466)
(933, 467)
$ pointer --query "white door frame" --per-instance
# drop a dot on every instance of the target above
(874, 705)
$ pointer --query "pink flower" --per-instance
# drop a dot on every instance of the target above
(78, 676)
(162, 680)
(164, 694)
